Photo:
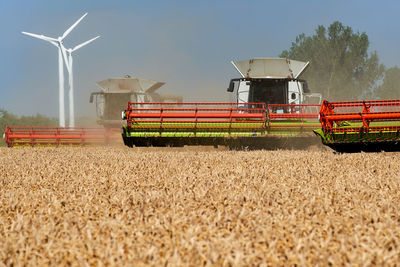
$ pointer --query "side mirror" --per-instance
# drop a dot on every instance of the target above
(231, 86)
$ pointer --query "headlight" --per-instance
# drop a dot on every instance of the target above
(123, 114)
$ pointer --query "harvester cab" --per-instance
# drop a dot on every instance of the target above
(271, 81)
(116, 92)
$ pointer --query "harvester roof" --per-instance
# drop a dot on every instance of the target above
(129, 85)
(278, 68)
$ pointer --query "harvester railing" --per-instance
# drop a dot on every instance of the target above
(293, 111)
(292, 119)
(360, 115)
(196, 118)
(59, 136)
(219, 119)
(361, 121)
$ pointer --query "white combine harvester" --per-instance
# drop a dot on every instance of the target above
(268, 109)
(271, 81)
(116, 92)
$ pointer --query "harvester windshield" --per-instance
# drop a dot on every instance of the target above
(269, 91)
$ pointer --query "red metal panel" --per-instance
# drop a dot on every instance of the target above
(293, 111)
(332, 114)
(198, 115)
(293, 116)
(362, 116)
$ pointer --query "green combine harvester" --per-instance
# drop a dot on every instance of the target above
(270, 107)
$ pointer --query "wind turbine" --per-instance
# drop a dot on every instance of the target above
(62, 56)
(71, 79)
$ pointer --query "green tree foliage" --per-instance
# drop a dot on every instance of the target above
(340, 66)
(390, 88)
(8, 119)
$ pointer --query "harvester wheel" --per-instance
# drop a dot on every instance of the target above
(141, 142)
(127, 142)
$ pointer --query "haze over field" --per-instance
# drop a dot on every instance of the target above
(186, 44)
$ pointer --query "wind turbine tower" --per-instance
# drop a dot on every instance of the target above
(71, 80)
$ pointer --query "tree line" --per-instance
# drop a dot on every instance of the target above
(341, 67)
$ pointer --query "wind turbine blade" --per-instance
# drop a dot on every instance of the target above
(54, 43)
(85, 43)
(73, 26)
(42, 37)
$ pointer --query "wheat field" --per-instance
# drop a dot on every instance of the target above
(121, 206)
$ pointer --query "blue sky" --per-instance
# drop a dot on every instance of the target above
(187, 44)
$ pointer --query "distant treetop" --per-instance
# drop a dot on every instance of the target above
(341, 67)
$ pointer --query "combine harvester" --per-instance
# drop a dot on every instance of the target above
(112, 98)
(116, 92)
(355, 126)
(268, 109)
